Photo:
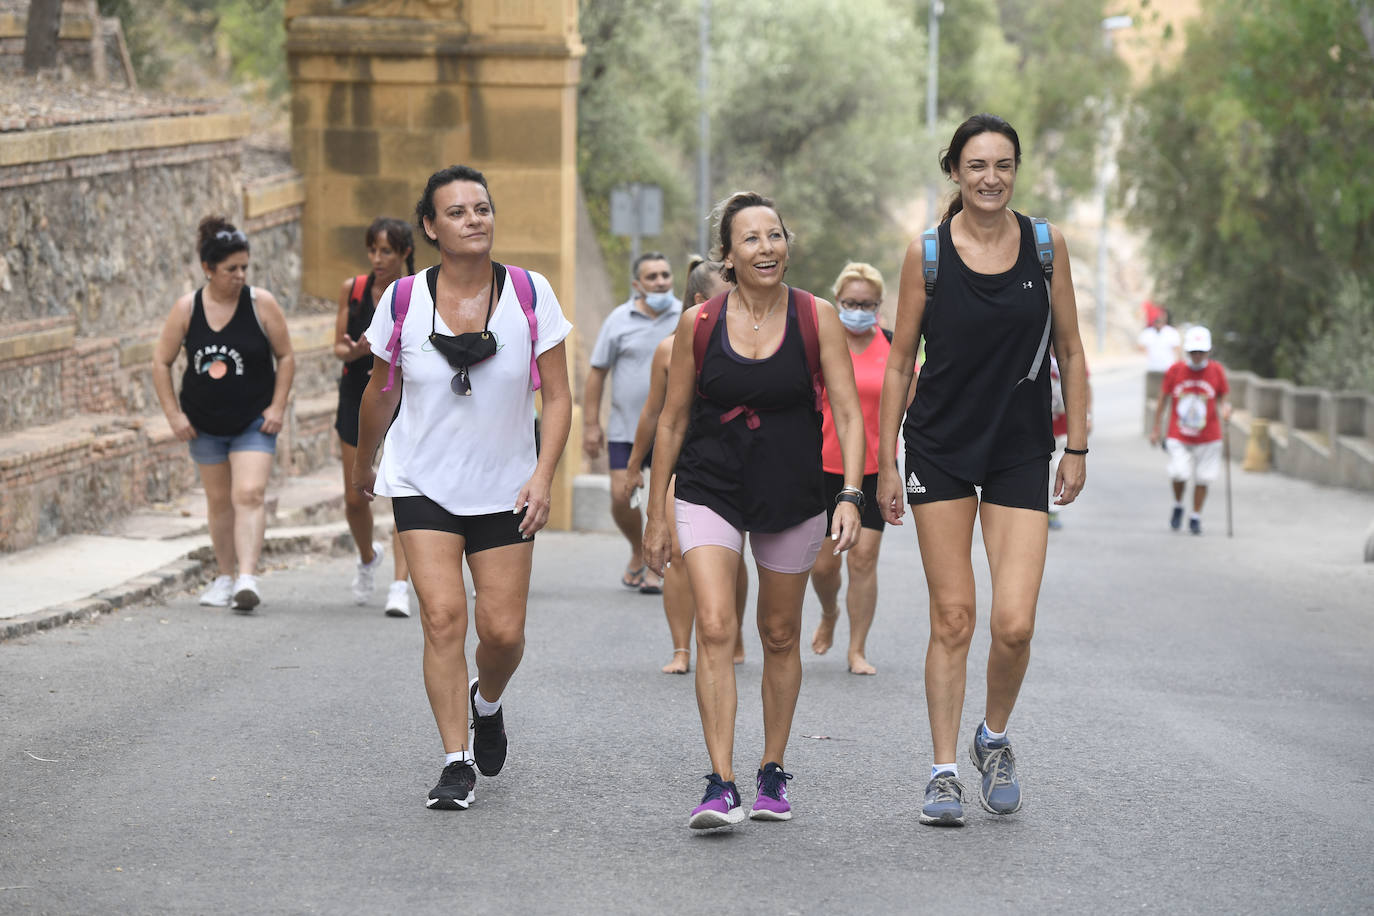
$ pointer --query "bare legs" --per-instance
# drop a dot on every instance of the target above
(502, 576)
(713, 572)
(1015, 540)
(236, 509)
(680, 608)
(358, 513)
(860, 600)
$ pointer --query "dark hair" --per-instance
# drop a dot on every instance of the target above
(424, 208)
(949, 159)
(724, 216)
(699, 271)
(647, 256)
(219, 239)
(398, 235)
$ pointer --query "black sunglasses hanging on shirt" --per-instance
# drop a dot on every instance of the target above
(464, 351)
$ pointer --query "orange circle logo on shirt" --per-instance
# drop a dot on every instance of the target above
(218, 369)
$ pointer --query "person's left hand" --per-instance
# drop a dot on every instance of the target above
(535, 498)
(272, 419)
(844, 530)
(1069, 480)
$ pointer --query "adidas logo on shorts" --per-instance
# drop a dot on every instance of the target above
(913, 485)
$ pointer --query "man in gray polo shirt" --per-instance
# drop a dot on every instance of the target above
(626, 345)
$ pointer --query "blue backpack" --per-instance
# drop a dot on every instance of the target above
(1044, 251)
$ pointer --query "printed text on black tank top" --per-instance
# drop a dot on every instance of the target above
(214, 361)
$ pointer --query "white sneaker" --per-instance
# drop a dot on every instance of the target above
(246, 595)
(398, 599)
(363, 576)
(219, 593)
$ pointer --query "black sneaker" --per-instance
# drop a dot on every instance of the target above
(454, 791)
(488, 736)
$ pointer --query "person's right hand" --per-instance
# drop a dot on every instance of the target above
(365, 480)
(655, 543)
(632, 480)
(592, 439)
(891, 496)
(357, 349)
(1154, 437)
(182, 428)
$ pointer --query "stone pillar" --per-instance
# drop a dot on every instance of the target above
(385, 92)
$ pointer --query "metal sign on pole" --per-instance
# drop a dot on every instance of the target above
(636, 211)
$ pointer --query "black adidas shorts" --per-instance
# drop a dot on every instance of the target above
(1022, 486)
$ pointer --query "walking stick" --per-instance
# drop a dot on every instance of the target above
(1226, 460)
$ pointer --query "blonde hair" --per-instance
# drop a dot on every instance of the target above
(858, 270)
(700, 275)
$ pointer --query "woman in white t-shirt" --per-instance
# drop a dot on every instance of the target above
(460, 463)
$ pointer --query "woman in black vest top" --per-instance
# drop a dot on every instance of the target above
(750, 461)
(981, 418)
(239, 367)
(391, 251)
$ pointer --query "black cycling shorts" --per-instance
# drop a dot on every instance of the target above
(1022, 486)
(481, 532)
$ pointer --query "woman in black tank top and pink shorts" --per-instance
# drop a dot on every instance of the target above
(239, 367)
(978, 445)
(744, 436)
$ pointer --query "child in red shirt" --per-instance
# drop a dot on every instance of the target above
(1196, 389)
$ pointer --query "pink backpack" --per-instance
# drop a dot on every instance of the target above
(524, 291)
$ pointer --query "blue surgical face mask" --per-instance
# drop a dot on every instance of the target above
(858, 320)
(659, 302)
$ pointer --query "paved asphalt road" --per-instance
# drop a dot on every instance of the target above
(1194, 737)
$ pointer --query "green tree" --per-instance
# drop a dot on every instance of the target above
(1248, 166)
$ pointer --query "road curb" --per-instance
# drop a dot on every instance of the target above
(147, 587)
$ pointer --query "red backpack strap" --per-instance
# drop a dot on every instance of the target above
(400, 304)
(355, 295)
(809, 326)
(524, 291)
(707, 316)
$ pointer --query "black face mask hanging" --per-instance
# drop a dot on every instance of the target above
(464, 351)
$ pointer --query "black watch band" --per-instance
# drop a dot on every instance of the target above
(849, 496)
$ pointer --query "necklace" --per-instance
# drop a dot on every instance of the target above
(766, 315)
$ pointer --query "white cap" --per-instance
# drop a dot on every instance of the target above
(1197, 339)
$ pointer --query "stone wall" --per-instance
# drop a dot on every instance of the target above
(98, 222)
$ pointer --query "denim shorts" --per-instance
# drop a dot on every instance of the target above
(207, 448)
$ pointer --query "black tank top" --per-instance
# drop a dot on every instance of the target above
(765, 479)
(356, 374)
(230, 373)
(976, 409)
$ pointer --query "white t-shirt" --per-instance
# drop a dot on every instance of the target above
(1161, 347)
(471, 454)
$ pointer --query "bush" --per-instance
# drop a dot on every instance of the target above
(1340, 355)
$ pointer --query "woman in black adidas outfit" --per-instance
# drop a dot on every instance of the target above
(981, 419)
(391, 251)
(239, 367)
(750, 461)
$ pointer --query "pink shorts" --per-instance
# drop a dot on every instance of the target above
(790, 551)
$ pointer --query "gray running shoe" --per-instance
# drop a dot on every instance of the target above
(944, 802)
(999, 792)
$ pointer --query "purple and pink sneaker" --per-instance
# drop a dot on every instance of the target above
(772, 803)
(720, 806)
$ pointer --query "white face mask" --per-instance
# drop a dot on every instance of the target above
(659, 302)
(1198, 363)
